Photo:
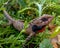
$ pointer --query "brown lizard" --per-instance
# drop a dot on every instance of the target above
(42, 21)
(37, 25)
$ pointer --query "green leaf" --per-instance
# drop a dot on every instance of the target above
(45, 44)
(56, 32)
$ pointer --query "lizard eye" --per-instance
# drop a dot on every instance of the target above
(44, 19)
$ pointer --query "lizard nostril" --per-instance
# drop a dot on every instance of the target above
(44, 19)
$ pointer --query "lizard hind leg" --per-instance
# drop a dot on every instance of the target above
(7, 24)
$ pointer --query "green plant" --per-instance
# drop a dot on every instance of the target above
(27, 10)
(46, 44)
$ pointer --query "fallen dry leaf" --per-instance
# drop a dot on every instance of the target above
(51, 27)
(54, 42)
(58, 38)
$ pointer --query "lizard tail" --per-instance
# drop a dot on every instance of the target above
(9, 18)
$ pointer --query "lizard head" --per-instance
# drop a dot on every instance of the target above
(41, 22)
(46, 19)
